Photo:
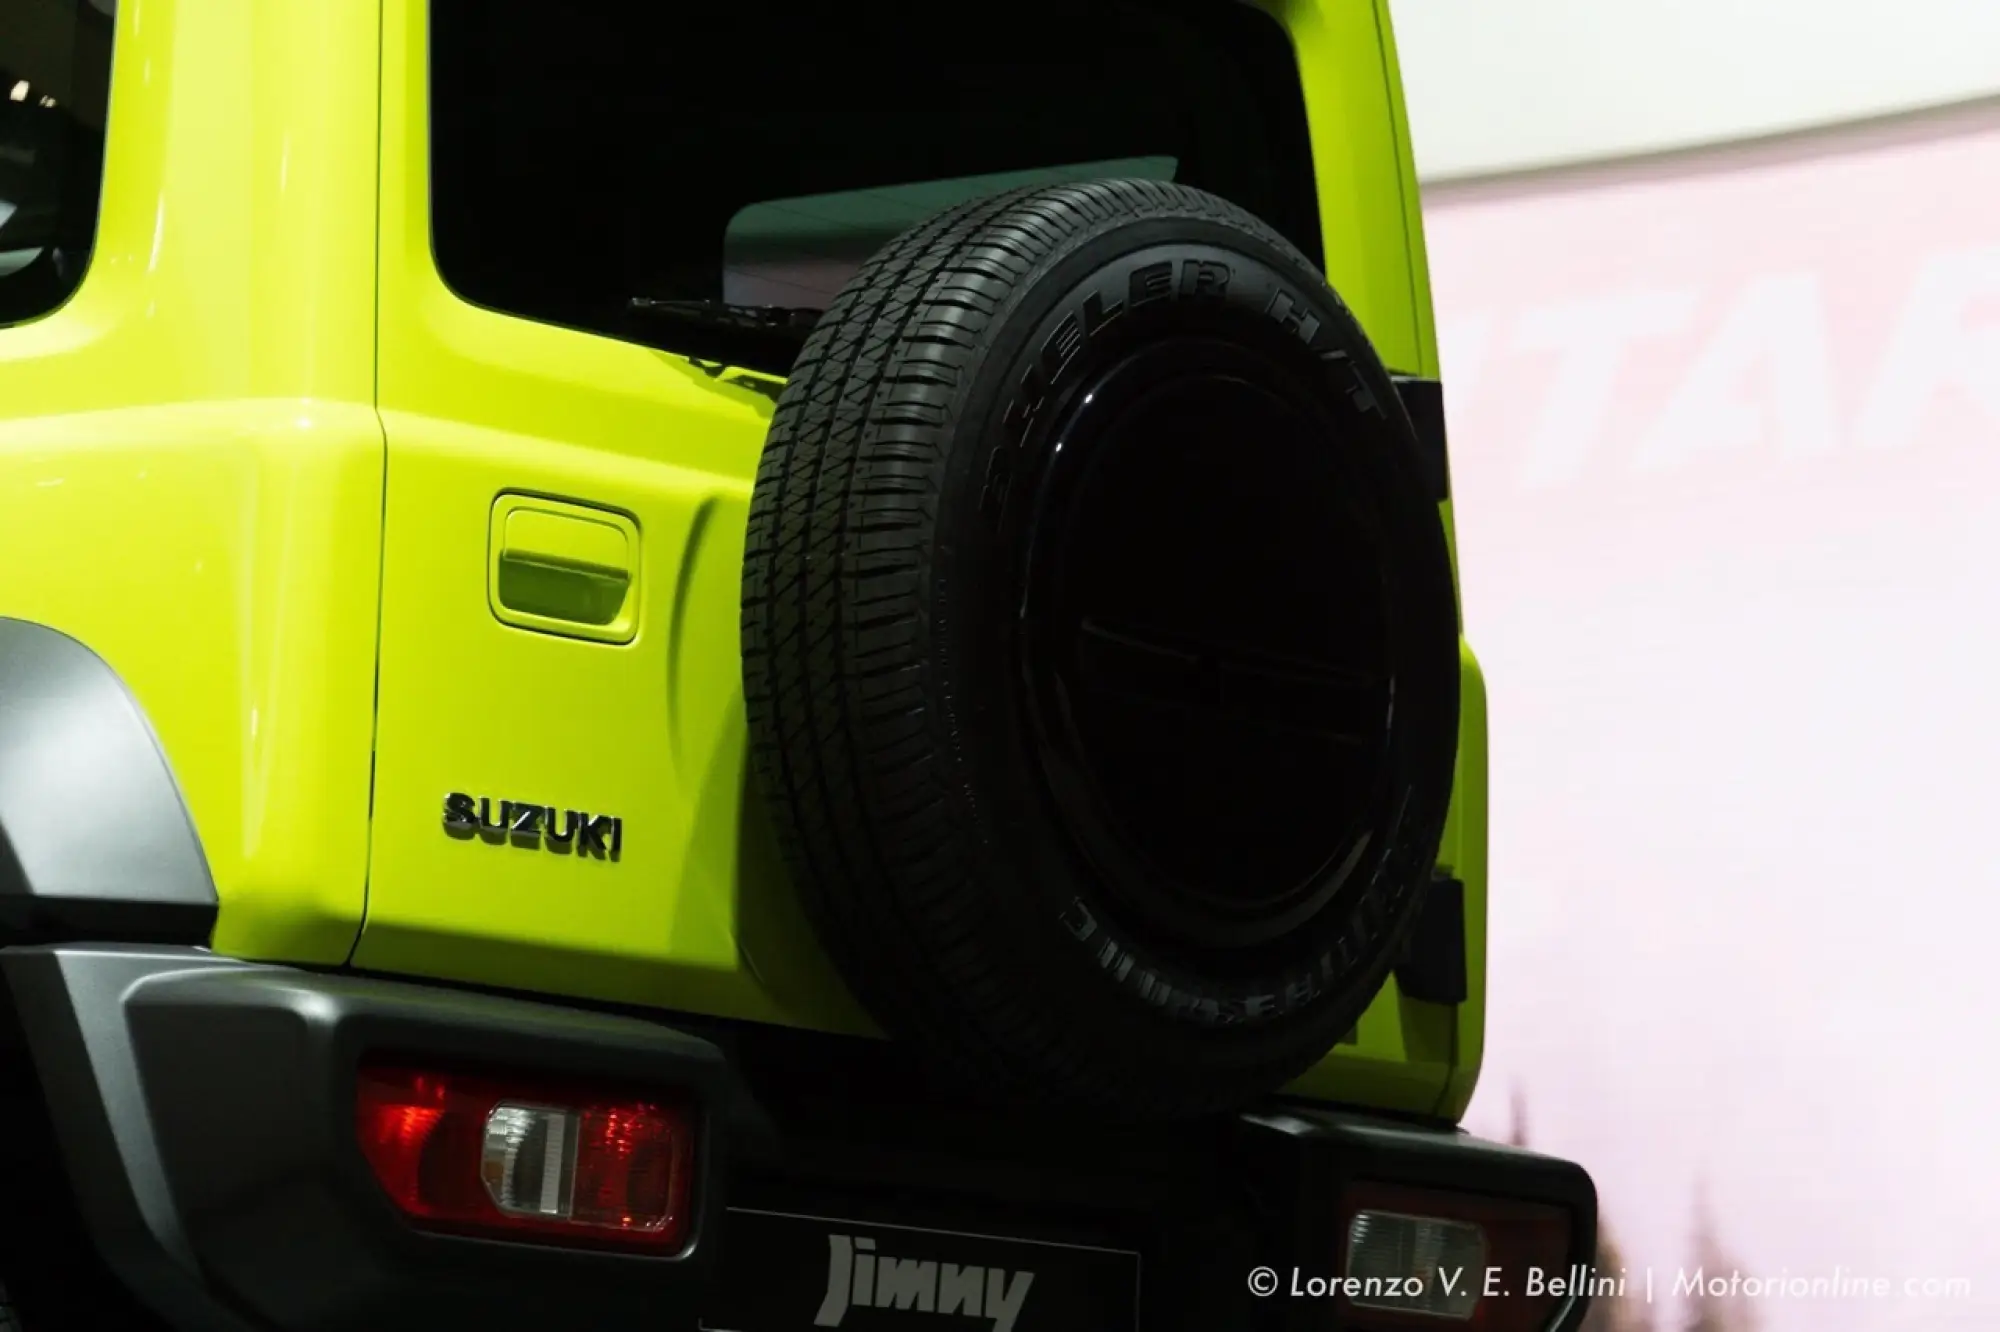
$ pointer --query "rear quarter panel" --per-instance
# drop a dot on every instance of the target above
(190, 462)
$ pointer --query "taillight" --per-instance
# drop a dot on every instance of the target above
(1416, 1258)
(528, 1159)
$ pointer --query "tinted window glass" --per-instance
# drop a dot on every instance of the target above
(594, 152)
(800, 252)
(55, 80)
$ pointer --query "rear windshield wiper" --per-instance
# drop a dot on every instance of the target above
(756, 337)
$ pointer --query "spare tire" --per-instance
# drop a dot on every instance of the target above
(1100, 649)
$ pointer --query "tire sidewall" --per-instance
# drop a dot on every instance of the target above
(1072, 944)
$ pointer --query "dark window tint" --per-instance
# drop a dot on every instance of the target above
(596, 152)
(55, 79)
(800, 252)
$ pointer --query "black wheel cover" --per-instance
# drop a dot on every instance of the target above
(1101, 649)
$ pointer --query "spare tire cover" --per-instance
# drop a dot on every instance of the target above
(1101, 649)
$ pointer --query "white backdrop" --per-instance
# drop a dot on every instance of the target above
(1501, 85)
(1726, 450)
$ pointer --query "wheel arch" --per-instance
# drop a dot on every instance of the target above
(96, 841)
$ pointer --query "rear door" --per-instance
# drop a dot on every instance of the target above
(562, 543)
(568, 475)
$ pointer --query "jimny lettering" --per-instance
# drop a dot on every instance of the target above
(858, 1277)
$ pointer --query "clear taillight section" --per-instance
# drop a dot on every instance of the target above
(1398, 1263)
(1456, 1262)
(529, 1160)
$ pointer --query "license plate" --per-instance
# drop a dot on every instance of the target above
(786, 1272)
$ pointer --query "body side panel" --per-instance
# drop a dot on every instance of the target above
(190, 462)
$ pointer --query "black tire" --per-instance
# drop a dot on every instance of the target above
(1042, 882)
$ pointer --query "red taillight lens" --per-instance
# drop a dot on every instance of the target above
(528, 1159)
(1416, 1258)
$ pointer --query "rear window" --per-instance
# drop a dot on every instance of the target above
(800, 252)
(593, 157)
(55, 81)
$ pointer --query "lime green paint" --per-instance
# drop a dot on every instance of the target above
(1425, 359)
(300, 495)
(190, 460)
(566, 569)
(1468, 850)
(1361, 160)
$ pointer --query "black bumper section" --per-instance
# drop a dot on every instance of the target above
(205, 1112)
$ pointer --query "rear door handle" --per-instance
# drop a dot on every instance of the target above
(564, 568)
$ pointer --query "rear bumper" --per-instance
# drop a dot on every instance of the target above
(204, 1107)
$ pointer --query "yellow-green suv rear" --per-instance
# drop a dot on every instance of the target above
(754, 669)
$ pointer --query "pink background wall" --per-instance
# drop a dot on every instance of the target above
(1726, 448)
